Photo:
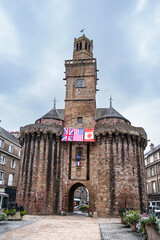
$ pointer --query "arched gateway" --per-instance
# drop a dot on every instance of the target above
(71, 195)
(82, 144)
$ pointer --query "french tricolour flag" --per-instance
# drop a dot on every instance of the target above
(78, 134)
(78, 163)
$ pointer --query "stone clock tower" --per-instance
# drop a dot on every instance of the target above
(81, 80)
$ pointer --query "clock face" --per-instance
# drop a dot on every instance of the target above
(80, 83)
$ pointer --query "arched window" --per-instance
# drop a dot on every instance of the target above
(80, 45)
(86, 45)
(89, 47)
(77, 46)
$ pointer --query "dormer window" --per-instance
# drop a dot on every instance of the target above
(155, 157)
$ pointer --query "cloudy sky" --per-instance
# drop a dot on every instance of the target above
(36, 36)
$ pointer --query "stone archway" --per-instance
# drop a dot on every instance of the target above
(71, 196)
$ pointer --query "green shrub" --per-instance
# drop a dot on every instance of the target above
(23, 213)
(122, 211)
(151, 220)
(11, 212)
(132, 216)
(3, 217)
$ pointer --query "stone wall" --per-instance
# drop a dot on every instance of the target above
(117, 171)
(39, 182)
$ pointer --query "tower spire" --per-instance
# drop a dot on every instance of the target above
(54, 107)
(111, 99)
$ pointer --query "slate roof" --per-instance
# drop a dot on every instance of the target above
(54, 114)
(100, 114)
(8, 136)
(152, 151)
(108, 113)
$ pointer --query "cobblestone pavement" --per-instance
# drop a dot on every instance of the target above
(56, 228)
(112, 229)
(8, 226)
(74, 227)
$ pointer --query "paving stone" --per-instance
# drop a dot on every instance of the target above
(56, 228)
(67, 228)
(112, 229)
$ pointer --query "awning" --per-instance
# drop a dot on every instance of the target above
(2, 194)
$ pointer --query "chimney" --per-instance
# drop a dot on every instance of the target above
(151, 146)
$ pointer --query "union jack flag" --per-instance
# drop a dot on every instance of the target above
(67, 134)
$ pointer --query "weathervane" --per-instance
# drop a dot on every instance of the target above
(110, 101)
(54, 107)
(82, 31)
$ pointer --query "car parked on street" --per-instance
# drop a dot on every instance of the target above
(76, 208)
(155, 210)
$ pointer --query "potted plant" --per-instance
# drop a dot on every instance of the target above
(132, 218)
(3, 217)
(152, 227)
(15, 212)
(122, 211)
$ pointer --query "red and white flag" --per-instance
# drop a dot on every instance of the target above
(60, 123)
(89, 135)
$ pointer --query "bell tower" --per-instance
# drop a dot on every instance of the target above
(83, 48)
(81, 80)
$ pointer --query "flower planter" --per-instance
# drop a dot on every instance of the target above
(133, 226)
(15, 217)
(152, 233)
(122, 220)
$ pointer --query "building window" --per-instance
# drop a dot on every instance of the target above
(159, 167)
(153, 187)
(152, 171)
(1, 143)
(147, 188)
(77, 46)
(19, 153)
(89, 48)
(10, 179)
(80, 45)
(79, 152)
(1, 177)
(86, 45)
(3, 159)
(10, 149)
(148, 160)
(155, 157)
(79, 120)
(13, 163)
